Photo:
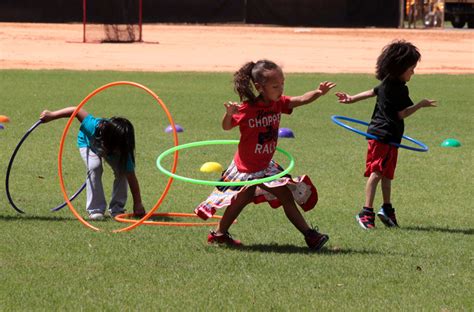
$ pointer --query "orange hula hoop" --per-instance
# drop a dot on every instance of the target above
(61, 148)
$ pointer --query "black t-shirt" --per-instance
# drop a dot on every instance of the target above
(392, 97)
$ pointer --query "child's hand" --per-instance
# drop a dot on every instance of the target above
(344, 98)
(46, 116)
(231, 108)
(427, 103)
(324, 87)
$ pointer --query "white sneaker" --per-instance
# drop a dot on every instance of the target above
(96, 216)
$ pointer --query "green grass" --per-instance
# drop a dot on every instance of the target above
(49, 261)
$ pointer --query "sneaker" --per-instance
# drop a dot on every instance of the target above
(315, 240)
(116, 213)
(97, 216)
(226, 239)
(387, 216)
(366, 219)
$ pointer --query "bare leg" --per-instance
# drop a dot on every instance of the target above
(291, 210)
(386, 190)
(371, 188)
(232, 212)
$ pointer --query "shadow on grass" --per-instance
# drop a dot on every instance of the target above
(72, 218)
(36, 218)
(291, 249)
(439, 229)
(163, 219)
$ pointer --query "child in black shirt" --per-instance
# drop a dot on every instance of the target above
(395, 66)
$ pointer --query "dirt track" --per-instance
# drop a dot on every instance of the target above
(225, 48)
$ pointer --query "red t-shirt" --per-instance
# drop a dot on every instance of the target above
(258, 126)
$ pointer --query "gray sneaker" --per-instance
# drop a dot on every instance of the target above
(97, 216)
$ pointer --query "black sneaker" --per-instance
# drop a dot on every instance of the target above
(387, 216)
(314, 239)
(366, 219)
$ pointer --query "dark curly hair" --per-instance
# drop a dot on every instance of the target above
(249, 74)
(117, 136)
(396, 58)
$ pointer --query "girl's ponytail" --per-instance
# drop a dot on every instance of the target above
(243, 84)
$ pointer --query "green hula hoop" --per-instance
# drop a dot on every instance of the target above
(220, 183)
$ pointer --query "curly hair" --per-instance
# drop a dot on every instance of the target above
(396, 58)
(249, 74)
(117, 135)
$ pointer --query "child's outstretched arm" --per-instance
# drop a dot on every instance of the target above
(47, 116)
(345, 98)
(412, 109)
(231, 109)
(311, 96)
(138, 208)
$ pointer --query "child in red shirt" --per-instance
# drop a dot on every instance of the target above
(395, 66)
(258, 119)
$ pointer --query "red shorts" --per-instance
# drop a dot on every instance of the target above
(381, 157)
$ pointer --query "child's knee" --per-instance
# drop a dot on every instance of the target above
(95, 168)
(284, 194)
(376, 175)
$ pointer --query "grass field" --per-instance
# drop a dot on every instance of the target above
(49, 261)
